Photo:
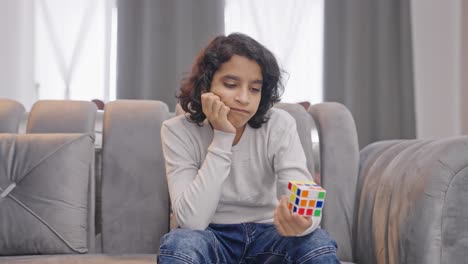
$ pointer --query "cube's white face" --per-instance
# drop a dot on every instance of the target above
(306, 198)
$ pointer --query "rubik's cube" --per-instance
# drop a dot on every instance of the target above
(306, 198)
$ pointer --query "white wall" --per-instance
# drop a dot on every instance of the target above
(464, 68)
(17, 51)
(437, 44)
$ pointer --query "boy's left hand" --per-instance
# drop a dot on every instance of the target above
(287, 223)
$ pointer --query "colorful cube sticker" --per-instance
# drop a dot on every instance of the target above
(306, 198)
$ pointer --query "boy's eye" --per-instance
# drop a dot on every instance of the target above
(230, 85)
(255, 90)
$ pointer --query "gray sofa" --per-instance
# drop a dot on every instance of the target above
(398, 201)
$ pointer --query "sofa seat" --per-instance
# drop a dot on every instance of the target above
(81, 259)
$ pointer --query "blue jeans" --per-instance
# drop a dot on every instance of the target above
(245, 243)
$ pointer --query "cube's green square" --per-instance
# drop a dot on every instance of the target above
(321, 195)
(317, 212)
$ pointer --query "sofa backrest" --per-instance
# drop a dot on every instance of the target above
(11, 112)
(62, 116)
(135, 198)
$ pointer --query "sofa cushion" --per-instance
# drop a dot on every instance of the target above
(44, 181)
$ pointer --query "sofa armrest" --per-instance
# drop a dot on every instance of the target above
(339, 153)
(412, 198)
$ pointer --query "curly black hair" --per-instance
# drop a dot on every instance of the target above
(210, 59)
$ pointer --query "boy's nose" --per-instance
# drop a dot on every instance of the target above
(242, 97)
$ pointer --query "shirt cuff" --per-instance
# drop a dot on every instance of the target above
(315, 224)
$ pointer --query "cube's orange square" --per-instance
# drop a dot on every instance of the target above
(312, 203)
(305, 193)
(303, 202)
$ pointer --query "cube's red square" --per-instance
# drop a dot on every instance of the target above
(289, 186)
(309, 212)
(301, 211)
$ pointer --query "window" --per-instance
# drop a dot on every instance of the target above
(293, 31)
(75, 49)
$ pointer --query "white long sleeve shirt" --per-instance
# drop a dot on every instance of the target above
(211, 181)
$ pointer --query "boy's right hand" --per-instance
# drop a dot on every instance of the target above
(216, 112)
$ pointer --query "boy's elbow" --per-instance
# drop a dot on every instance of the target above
(193, 223)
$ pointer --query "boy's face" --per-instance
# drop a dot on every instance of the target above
(238, 82)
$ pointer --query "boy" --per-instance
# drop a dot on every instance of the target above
(228, 162)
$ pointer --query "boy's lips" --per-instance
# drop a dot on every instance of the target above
(240, 110)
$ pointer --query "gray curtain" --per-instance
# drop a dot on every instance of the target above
(368, 66)
(157, 42)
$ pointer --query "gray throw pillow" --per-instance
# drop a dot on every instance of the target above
(44, 182)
